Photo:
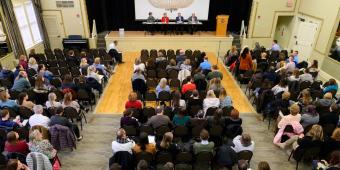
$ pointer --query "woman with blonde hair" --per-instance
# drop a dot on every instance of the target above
(38, 144)
(215, 85)
(162, 86)
(166, 144)
(133, 101)
(293, 116)
(69, 102)
(52, 97)
(138, 65)
(32, 63)
(225, 100)
(210, 101)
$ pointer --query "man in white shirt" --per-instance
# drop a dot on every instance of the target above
(122, 143)
(243, 142)
(38, 118)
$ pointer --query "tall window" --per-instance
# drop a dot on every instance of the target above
(28, 25)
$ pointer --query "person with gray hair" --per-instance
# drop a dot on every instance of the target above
(38, 118)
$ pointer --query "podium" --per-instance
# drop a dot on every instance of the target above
(221, 25)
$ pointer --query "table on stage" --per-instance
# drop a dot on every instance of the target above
(173, 27)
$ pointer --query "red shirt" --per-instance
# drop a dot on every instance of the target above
(165, 20)
(133, 104)
(188, 87)
(20, 147)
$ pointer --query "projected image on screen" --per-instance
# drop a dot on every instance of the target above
(172, 8)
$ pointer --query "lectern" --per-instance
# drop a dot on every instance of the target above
(221, 25)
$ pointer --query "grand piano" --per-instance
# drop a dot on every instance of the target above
(75, 42)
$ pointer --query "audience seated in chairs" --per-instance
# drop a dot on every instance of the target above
(331, 85)
(172, 66)
(225, 100)
(23, 101)
(243, 142)
(204, 145)
(7, 123)
(162, 86)
(21, 82)
(159, 119)
(215, 73)
(210, 101)
(40, 145)
(133, 102)
(166, 145)
(52, 97)
(180, 119)
(189, 86)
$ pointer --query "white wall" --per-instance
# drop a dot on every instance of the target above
(75, 19)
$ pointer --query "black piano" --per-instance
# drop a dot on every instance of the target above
(75, 42)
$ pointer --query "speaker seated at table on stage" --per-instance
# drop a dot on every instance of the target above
(179, 21)
(115, 53)
(193, 20)
(165, 21)
(151, 19)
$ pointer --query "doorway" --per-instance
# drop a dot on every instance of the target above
(283, 30)
(305, 38)
(55, 28)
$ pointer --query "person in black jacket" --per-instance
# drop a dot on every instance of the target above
(330, 117)
(331, 144)
(166, 145)
(225, 155)
(58, 119)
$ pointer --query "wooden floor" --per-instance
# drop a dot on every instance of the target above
(119, 86)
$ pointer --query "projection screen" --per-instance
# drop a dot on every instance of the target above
(186, 8)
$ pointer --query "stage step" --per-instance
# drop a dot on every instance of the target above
(101, 39)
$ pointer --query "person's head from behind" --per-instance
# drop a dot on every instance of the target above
(283, 83)
(22, 97)
(169, 166)
(97, 60)
(163, 83)
(38, 109)
(68, 79)
(245, 139)
(143, 140)
(52, 97)
(22, 74)
(32, 61)
(335, 158)
(243, 164)
(128, 113)
(315, 132)
(4, 95)
(41, 67)
(150, 13)
(39, 81)
(285, 95)
(223, 93)
(296, 73)
(12, 137)
(67, 98)
(234, 114)
(294, 109)
(167, 140)
(159, 110)
(332, 82)
(172, 62)
(336, 134)
(274, 41)
(121, 134)
(263, 165)
(115, 166)
(204, 135)
(181, 52)
(214, 67)
(142, 165)
(328, 96)
(115, 42)
(315, 64)
(132, 96)
(14, 164)
(71, 53)
(35, 135)
(5, 114)
(195, 94)
(59, 111)
(211, 94)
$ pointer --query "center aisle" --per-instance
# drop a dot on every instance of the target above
(119, 87)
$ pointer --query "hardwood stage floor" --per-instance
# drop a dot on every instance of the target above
(119, 86)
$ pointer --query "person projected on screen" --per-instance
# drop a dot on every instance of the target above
(179, 18)
(165, 18)
(151, 18)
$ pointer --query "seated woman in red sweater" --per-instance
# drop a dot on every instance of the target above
(13, 144)
(133, 102)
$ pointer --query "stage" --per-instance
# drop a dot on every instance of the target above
(138, 40)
